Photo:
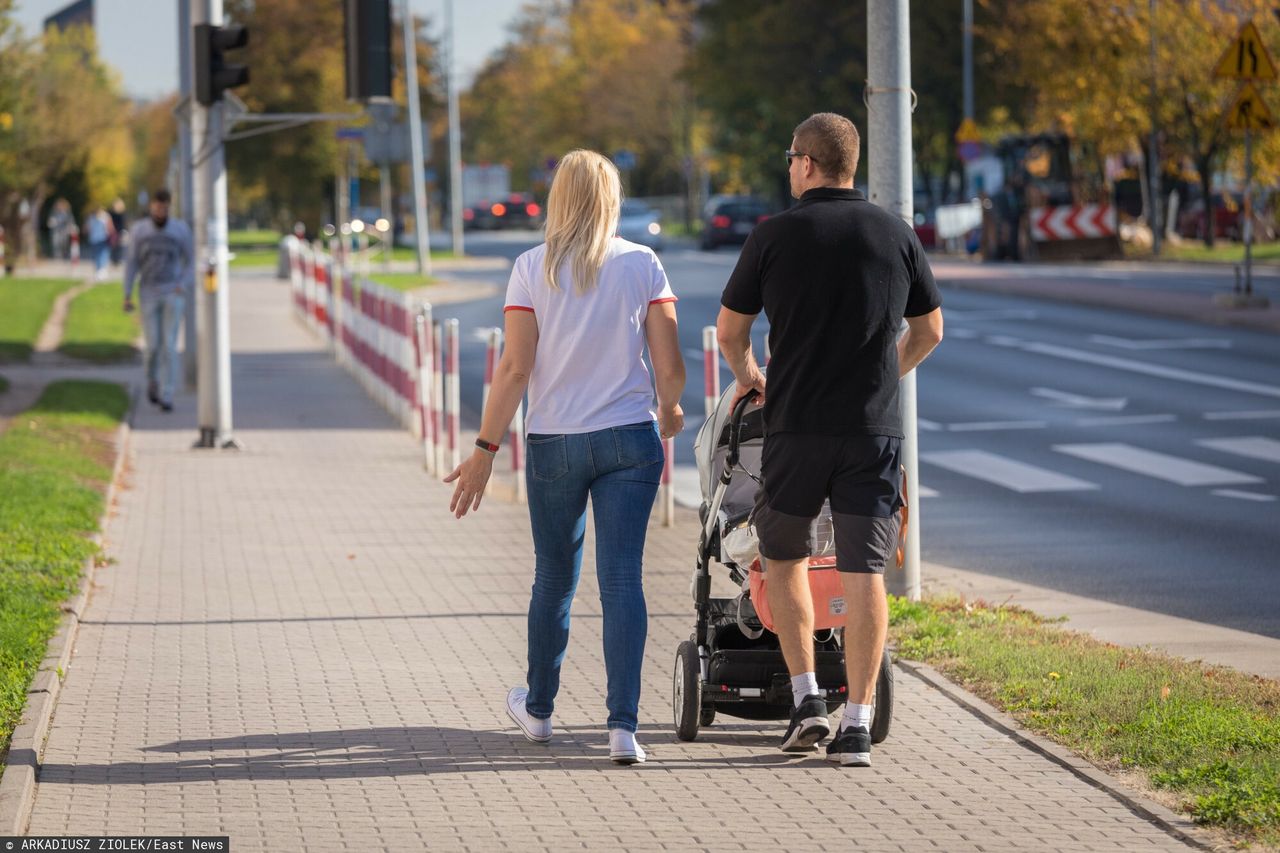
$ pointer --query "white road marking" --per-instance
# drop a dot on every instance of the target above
(926, 492)
(961, 333)
(932, 426)
(1254, 414)
(1244, 496)
(993, 426)
(994, 314)
(1003, 341)
(1172, 469)
(1013, 475)
(1161, 371)
(1077, 401)
(1253, 446)
(1125, 420)
(1173, 343)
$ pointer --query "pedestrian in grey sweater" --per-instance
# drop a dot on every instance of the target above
(162, 259)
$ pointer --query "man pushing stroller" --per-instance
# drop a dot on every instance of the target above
(835, 276)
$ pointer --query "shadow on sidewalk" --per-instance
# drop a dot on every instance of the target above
(415, 751)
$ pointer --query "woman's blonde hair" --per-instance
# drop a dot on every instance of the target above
(582, 216)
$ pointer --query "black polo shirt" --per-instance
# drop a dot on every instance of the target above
(835, 275)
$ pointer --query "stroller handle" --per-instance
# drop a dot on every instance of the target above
(735, 425)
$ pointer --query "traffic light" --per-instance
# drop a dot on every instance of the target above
(368, 48)
(214, 75)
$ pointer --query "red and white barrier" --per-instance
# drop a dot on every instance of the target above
(710, 369)
(424, 330)
(75, 249)
(455, 396)
(668, 492)
(1072, 222)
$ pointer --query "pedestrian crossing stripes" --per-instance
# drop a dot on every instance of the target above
(1001, 471)
(1162, 466)
(1254, 447)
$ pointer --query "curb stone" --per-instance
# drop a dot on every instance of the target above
(18, 784)
(1166, 819)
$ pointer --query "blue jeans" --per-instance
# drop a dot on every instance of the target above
(620, 469)
(161, 320)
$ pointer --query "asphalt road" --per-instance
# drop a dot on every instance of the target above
(1108, 454)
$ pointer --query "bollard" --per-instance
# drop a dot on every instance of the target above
(455, 397)
(75, 249)
(710, 369)
(418, 382)
(437, 392)
(493, 346)
(668, 487)
(426, 391)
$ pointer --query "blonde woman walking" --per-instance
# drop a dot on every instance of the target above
(580, 310)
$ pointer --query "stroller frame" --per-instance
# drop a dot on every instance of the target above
(731, 663)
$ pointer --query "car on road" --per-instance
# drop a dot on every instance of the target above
(516, 210)
(730, 219)
(641, 224)
(1226, 216)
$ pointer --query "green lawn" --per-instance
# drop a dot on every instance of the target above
(55, 464)
(1209, 734)
(255, 258)
(1223, 252)
(402, 280)
(97, 329)
(253, 239)
(25, 304)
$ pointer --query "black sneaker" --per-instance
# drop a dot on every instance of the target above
(808, 725)
(153, 392)
(851, 747)
(166, 406)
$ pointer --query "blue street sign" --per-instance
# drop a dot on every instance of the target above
(349, 134)
(625, 160)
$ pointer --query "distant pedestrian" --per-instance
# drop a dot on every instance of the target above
(99, 234)
(120, 224)
(580, 310)
(162, 258)
(835, 275)
(60, 224)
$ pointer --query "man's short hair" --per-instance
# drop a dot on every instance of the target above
(832, 142)
(162, 195)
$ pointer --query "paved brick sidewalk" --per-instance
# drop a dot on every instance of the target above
(298, 647)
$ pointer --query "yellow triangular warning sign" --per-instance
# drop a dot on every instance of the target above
(1249, 111)
(1246, 58)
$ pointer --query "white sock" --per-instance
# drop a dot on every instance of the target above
(856, 715)
(803, 685)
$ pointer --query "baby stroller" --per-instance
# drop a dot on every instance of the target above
(732, 663)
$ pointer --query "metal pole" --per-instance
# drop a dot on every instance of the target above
(206, 270)
(416, 157)
(455, 137)
(384, 202)
(217, 166)
(1248, 212)
(1153, 154)
(186, 192)
(968, 58)
(889, 161)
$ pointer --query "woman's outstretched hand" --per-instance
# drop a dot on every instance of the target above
(472, 476)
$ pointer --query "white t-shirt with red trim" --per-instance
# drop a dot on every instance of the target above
(589, 371)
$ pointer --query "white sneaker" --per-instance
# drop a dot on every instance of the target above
(538, 731)
(623, 748)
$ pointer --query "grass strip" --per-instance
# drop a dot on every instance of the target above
(25, 304)
(1209, 735)
(1223, 252)
(402, 280)
(260, 238)
(254, 258)
(97, 329)
(55, 465)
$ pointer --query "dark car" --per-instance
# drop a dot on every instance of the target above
(1227, 221)
(730, 219)
(517, 210)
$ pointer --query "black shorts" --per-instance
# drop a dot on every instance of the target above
(862, 476)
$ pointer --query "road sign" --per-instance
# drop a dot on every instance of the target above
(624, 160)
(968, 131)
(349, 134)
(1249, 111)
(1072, 222)
(1246, 58)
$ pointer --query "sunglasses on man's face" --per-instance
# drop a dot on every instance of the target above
(791, 155)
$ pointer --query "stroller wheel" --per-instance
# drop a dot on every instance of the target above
(686, 691)
(707, 715)
(882, 715)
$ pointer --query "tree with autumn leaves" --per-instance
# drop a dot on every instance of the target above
(1090, 73)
